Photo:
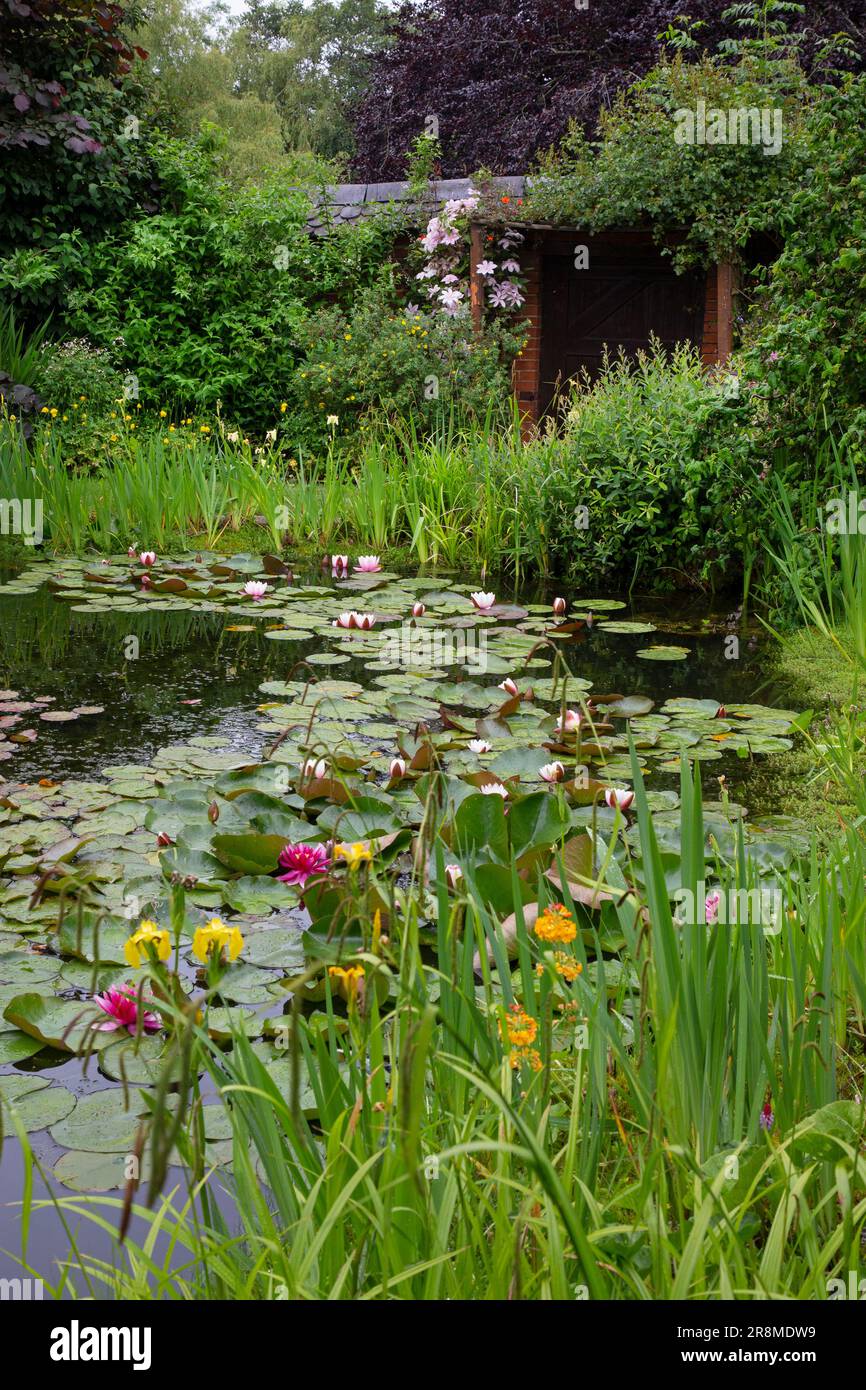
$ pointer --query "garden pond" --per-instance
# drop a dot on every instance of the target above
(159, 720)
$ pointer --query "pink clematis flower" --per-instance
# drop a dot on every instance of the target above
(368, 564)
(121, 1005)
(619, 798)
(148, 558)
(485, 267)
(302, 862)
(255, 589)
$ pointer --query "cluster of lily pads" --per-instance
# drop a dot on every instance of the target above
(472, 748)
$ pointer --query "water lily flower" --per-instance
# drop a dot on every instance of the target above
(721, 712)
(148, 557)
(551, 772)
(136, 947)
(509, 686)
(619, 798)
(398, 768)
(132, 552)
(302, 862)
(559, 606)
(483, 601)
(494, 789)
(570, 722)
(121, 1005)
(711, 907)
(418, 610)
(479, 745)
(314, 769)
(216, 937)
(453, 872)
(352, 619)
(353, 855)
(339, 564)
(255, 589)
(345, 620)
(163, 839)
(368, 564)
(146, 581)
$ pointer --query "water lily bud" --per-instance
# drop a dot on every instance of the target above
(418, 610)
(559, 607)
(551, 772)
(453, 872)
(398, 768)
(619, 797)
(509, 686)
(163, 839)
(213, 813)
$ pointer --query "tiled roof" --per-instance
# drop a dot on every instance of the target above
(344, 202)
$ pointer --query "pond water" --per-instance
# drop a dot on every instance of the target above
(165, 689)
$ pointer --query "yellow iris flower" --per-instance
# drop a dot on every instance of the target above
(216, 935)
(353, 855)
(135, 949)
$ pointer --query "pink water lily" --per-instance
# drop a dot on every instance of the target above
(551, 772)
(255, 589)
(368, 564)
(132, 552)
(364, 621)
(163, 839)
(619, 798)
(121, 1005)
(559, 607)
(148, 557)
(418, 610)
(482, 600)
(339, 564)
(570, 722)
(314, 769)
(509, 686)
(302, 862)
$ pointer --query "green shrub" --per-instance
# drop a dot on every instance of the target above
(639, 486)
(379, 359)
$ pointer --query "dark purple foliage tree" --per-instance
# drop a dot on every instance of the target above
(69, 102)
(503, 78)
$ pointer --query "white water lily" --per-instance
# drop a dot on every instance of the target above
(397, 769)
(494, 789)
(482, 600)
(551, 772)
(509, 686)
(619, 797)
(479, 745)
(314, 769)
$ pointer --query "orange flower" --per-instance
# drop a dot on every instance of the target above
(519, 1055)
(566, 966)
(556, 924)
(520, 1026)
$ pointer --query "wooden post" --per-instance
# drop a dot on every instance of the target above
(725, 288)
(476, 285)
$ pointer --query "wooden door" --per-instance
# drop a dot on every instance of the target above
(625, 294)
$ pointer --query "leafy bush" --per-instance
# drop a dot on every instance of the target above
(637, 486)
(73, 372)
(378, 358)
(203, 301)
